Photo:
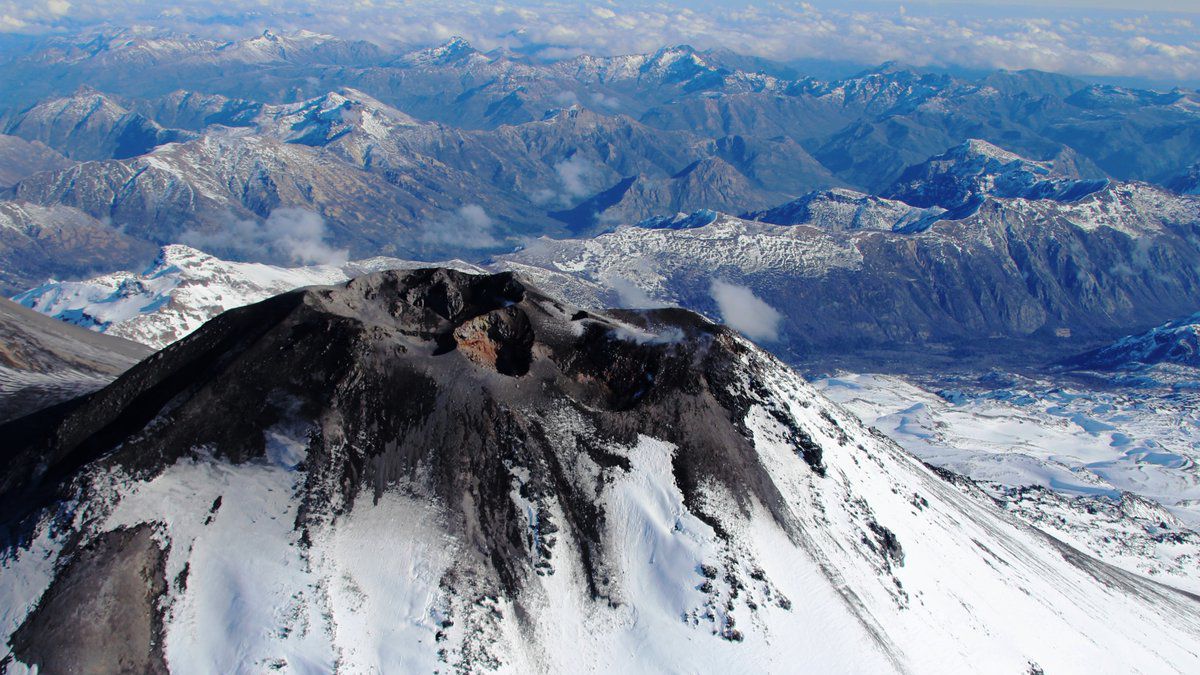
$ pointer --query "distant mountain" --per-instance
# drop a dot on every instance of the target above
(1175, 342)
(193, 111)
(38, 242)
(849, 210)
(134, 48)
(1187, 183)
(385, 182)
(43, 362)
(430, 470)
(208, 186)
(961, 178)
(20, 158)
(89, 125)
(865, 129)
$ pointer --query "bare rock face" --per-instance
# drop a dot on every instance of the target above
(501, 339)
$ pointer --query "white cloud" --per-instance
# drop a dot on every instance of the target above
(745, 312)
(575, 174)
(289, 235)
(632, 296)
(1070, 36)
(469, 227)
(566, 98)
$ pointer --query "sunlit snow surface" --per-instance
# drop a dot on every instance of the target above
(1119, 464)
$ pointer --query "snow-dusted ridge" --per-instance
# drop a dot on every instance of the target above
(998, 272)
(182, 289)
(1174, 343)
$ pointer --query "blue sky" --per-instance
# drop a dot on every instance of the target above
(1152, 40)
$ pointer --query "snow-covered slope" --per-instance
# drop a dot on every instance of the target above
(181, 290)
(425, 471)
(1116, 472)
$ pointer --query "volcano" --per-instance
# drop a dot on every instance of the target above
(435, 471)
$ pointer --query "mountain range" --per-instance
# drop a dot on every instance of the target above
(973, 244)
(1069, 267)
(866, 128)
(568, 146)
(928, 212)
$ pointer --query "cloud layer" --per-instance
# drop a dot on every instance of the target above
(1160, 46)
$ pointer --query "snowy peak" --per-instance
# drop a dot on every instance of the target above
(455, 51)
(960, 178)
(178, 256)
(682, 65)
(325, 119)
(287, 47)
(536, 470)
(976, 149)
